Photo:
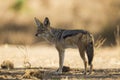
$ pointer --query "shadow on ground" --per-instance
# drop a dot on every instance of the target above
(46, 73)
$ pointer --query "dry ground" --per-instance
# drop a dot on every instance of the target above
(44, 59)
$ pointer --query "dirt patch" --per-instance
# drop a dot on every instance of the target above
(46, 73)
(106, 64)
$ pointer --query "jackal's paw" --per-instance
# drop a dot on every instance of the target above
(90, 73)
(84, 72)
(57, 71)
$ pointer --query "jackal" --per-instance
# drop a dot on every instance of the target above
(63, 39)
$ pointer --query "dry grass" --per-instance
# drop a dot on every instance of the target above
(99, 42)
(33, 74)
(24, 51)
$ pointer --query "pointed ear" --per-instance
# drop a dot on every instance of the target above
(46, 22)
(38, 23)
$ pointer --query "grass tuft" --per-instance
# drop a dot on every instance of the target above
(99, 42)
(24, 50)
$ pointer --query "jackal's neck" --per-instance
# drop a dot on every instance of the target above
(54, 34)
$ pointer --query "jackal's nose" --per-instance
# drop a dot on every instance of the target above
(36, 34)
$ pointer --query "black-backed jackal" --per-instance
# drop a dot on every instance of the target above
(63, 39)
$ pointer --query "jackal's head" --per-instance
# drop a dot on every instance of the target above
(43, 29)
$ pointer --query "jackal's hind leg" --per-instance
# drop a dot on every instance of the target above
(91, 69)
(82, 54)
(90, 55)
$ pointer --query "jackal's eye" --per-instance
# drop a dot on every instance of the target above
(40, 29)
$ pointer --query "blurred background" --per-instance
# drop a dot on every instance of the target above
(17, 26)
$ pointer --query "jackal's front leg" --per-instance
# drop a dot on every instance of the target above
(61, 59)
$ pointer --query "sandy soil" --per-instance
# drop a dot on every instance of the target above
(106, 62)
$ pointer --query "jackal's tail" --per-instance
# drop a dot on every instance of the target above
(90, 52)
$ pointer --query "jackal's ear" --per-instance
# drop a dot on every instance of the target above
(46, 22)
(38, 23)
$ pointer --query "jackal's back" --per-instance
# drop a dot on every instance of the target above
(63, 34)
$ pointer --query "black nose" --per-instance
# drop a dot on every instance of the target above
(36, 34)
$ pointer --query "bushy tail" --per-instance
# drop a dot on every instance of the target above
(90, 52)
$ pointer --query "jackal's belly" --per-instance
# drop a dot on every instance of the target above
(70, 43)
(70, 46)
